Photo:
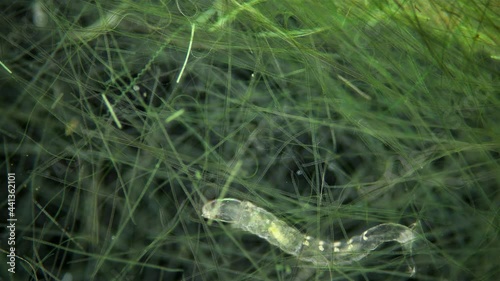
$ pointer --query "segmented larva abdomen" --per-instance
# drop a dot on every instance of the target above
(321, 252)
(247, 216)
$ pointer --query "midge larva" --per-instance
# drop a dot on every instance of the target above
(247, 216)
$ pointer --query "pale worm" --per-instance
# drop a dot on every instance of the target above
(247, 216)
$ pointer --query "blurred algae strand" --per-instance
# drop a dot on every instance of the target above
(247, 216)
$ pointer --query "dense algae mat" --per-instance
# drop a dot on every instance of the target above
(122, 119)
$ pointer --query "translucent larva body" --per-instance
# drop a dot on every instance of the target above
(246, 216)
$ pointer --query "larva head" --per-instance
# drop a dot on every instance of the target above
(209, 210)
(223, 210)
